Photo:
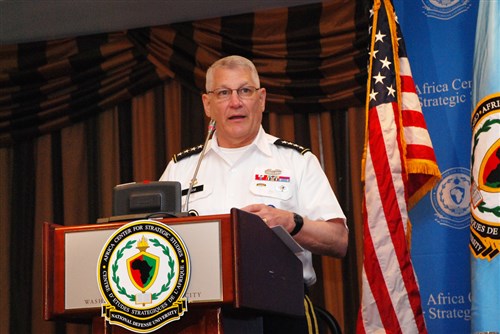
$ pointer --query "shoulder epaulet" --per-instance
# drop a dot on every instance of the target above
(301, 149)
(187, 153)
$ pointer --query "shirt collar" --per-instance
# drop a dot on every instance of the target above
(262, 143)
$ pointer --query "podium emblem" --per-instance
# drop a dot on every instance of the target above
(143, 267)
(143, 274)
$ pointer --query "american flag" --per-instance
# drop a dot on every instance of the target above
(399, 167)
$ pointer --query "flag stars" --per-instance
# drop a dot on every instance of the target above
(373, 95)
(379, 78)
(386, 63)
(391, 90)
(379, 37)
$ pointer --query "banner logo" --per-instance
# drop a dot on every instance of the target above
(450, 198)
(485, 179)
(143, 274)
(445, 9)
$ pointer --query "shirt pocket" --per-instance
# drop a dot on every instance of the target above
(275, 183)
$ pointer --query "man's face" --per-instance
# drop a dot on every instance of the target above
(238, 119)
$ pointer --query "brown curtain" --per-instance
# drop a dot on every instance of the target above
(79, 116)
(74, 171)
(309, 58)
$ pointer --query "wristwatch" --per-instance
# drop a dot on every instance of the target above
(299, 222)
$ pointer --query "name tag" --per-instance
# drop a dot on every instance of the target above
(194, 190)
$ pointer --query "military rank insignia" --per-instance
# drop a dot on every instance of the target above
(143, 274)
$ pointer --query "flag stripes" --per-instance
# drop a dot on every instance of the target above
(390, 273)
(399, 167)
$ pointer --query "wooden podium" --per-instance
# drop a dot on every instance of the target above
(253, 273)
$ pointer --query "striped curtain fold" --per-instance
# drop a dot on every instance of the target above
(310, 59)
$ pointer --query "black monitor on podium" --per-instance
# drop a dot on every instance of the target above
(139, 200)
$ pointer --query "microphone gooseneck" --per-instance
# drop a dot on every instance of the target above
(211, 129)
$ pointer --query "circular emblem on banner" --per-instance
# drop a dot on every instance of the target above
(450, 198)
(485, 178)
(143, 274)
(445, 9)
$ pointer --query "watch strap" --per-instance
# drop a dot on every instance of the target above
(299, 222)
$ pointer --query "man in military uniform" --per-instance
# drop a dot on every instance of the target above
(246, 168)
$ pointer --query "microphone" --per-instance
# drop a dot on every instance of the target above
(211, 129)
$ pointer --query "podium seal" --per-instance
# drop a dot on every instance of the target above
(143, 274)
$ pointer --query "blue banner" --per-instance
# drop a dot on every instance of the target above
(439, 38)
